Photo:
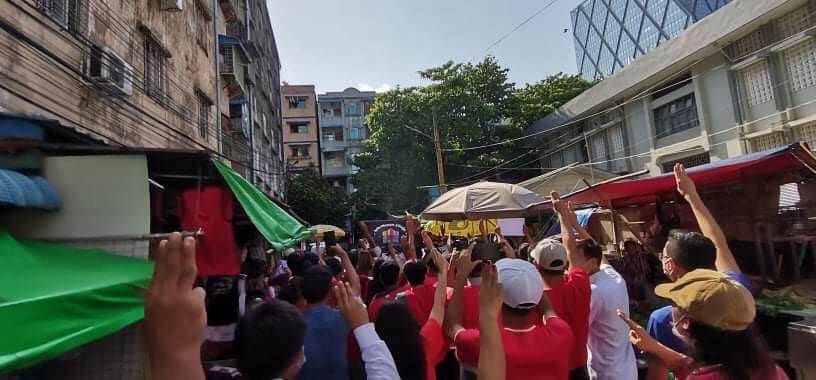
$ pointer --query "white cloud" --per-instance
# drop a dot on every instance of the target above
(367, 87)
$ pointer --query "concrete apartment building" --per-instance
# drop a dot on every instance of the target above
(739, 81)
(140, 73)
(342, 132)
(608, 34)
(301, 134)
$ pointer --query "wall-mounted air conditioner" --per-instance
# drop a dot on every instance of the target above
(172, 5)
(109, 71)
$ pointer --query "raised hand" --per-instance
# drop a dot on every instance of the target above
(464, 264)
(353, 310)
(490, 293)
(560, 206)
(685, 186)
(638, 335)
(426, 239)
(440, 262)
(175, 318)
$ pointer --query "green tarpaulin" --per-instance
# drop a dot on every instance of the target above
(54, 298)
(279, 228)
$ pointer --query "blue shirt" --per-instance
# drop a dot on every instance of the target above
(660, 321)
(324, 345)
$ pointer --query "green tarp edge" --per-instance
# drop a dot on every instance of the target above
(54, 299)
(279, 228)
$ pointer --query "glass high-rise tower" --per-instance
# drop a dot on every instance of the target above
(611, 33)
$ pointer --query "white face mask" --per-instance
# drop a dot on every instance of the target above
(676, 331)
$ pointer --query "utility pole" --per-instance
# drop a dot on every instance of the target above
(440, 167)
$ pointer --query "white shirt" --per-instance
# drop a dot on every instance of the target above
(610, 354)
(379, 364)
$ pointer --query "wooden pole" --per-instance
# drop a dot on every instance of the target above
(440, 167)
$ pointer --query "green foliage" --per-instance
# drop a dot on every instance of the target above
(314, 200)
(476, 105)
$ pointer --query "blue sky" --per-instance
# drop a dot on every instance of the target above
(378, 44)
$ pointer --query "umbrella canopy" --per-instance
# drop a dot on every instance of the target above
(320, 229)
(482, 200)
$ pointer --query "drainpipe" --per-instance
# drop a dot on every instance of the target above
(216, 55)
(252, 162)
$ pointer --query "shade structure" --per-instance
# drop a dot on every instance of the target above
(54, 299)
(467, 228)
(280, 229)
(782, 160)
(320, 229)
(482, 200)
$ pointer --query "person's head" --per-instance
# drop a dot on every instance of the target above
(317, 281)
(291, 292)
(711, 312)
(312, 258)
(271, 321)
(364, 262)
(550, 257)
(631, 247)
(401, 333)
(524, 251)
(388, 274)
(686, 251)
(415, 273)
(430, 264)
(522, 287)
(592, 256)
(297, 262)
(335, 267)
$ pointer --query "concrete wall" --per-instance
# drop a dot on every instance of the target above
(46, 77)
(301, 115)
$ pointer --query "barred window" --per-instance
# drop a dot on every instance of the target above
(155, 70)
(616, 141)
(807, 134)
(204, 105)
(688, 162)
(800, 62)
(676, 116)
(71, 14)
(769, 141)
(792, 23)
(756, 81)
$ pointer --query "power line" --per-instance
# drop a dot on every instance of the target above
(519, 26)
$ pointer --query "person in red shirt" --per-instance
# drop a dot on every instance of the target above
(532, 350)
(388, 275)
(419, 297)
(569, 294)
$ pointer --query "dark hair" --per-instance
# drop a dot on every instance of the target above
(222, 300)
(415, 273)
(517, 311)
(389, 273)
(375, 286)
(312, 258)
(354, 257)
(316, 283)
(429, 263)
(271, 321)
(691, 250)
(741, 354)
(334, 265)
(591, 250)
(297, 263)
(291, 291)
(524, 251)
(401, 333)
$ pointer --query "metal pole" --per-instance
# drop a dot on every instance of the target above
(216, 55)
(589, 157)
(252, 162)
(440, 168)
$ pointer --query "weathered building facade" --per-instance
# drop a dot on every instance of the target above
(301, 128)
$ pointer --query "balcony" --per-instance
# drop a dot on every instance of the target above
(336, 171)
(233, 10)
(332, 145)
(330, 120)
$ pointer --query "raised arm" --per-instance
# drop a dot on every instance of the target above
(351, 273)
(367, 234)
(643, 341)
(565, 218)
(412, 225)
(708, 225)
(441, 293)
(508, 250)
(492, 364)
(456, 306)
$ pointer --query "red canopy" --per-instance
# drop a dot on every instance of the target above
(648, 190)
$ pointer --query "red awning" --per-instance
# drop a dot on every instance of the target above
(718, 173)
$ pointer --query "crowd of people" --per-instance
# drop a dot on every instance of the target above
(548, 309)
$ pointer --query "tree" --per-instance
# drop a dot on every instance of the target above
(314, 200)
(476, 105)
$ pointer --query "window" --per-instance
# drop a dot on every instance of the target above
(202, 25)
(598, 145)
(800, 62)
(355, 133)
(335, 159)
(333, 134)
(204, 105)
(155, 70)
(688, 162)
(300, 151)
(299, 128)
(68, 13)
(352, 109)
(769, 141)
(298, 102)
(807, 134)
(792, 23)
(756, 81)
(616, 141)
(675, 116)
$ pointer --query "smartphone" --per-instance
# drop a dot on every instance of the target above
(460, 243)
(331, 241)
(486, 251)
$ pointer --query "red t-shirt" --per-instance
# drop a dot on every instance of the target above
(540, 352)
(470, 317)
(420, 300)
(364, 279)
(436, 347)
(570, 299)
(378, 302)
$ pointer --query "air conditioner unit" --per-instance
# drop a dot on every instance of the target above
(110, 72)
(172, 5)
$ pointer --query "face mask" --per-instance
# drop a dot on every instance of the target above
(676, 331)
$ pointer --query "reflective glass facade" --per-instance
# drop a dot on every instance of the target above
(609, 34)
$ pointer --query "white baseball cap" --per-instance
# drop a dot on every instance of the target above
(522, 283)
(549, 254)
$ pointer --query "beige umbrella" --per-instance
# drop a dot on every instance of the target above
(320, 229)
(482, 200)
